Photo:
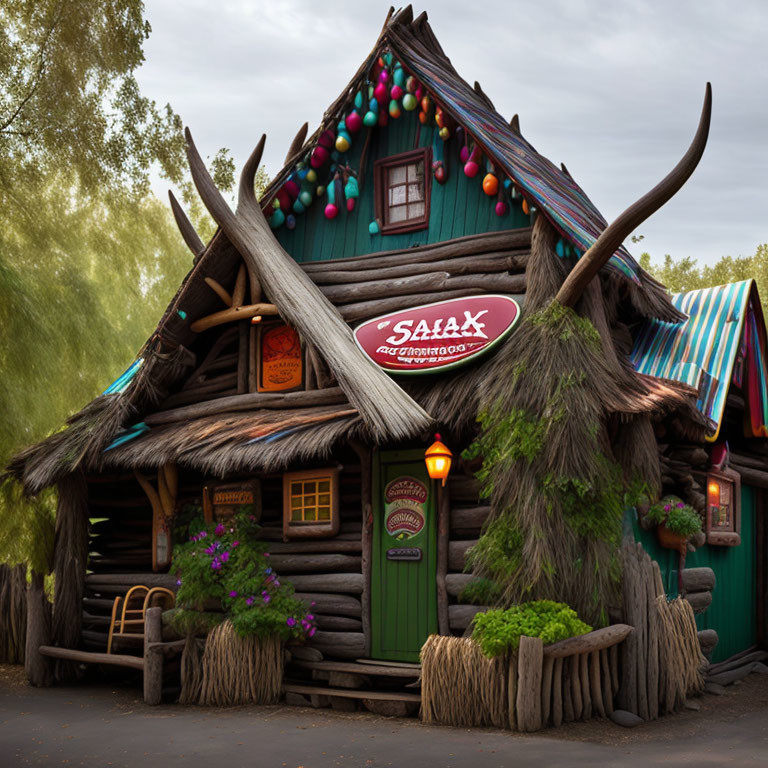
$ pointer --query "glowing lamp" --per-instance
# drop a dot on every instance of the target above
(438, 459)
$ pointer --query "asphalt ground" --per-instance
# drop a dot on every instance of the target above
(102, 724)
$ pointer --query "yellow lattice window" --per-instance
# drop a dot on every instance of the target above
(310, 503)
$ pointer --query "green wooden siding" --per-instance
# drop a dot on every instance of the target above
(733, 612)
(403, 593)
(459, 207)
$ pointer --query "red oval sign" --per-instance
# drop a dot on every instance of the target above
(437, 336)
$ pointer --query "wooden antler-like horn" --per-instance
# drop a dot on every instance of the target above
(188, 232)
(514, 124)
(297, 143)
(246, 196)
(616, 232)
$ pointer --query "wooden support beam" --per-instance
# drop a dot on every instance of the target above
(443, 534)
(88, 657)
(153, 656)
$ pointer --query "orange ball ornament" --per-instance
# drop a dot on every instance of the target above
(490, 185)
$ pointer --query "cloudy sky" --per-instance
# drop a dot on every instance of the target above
(612, 88)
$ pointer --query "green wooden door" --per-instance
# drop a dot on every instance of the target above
(733, 612)
(403, 588)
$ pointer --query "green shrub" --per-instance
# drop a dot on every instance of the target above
(679, 517)
(498, 632)
(226, 563)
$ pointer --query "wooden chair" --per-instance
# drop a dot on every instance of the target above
(128, 629)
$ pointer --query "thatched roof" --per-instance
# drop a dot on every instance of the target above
(229, 442)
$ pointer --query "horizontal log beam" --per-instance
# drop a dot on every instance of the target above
(753, 462)
(329, 582)
(314, 546)
(333, 604)
(457, 553)
(315, 563)
(351, 693)
(377, 670)
(462, 265)
(250, 401)
(346, 645)
(364, 309)
(456, 583)
(95, 580)
(751, 476)
(460, 616)
(592, 641)
(511, 239)
(338, 623)
(469, 518)
(698, 579)
(87, 657)
(699, 601)
(416, 284)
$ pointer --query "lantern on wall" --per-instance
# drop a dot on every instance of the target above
(438, 459)
(723, 523)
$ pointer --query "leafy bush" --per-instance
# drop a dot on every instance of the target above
(499, 632)
(679, 517)
(227, 563)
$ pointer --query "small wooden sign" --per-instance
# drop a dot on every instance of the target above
(281, 362)
(438, 336)
(222, 502)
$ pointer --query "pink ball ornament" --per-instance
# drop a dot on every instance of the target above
(351, 204)
(471, 169)
(292, 188)
(319, 157)
(397, 92)
(331, 211)
(502, 209)
(383, 76)
(354, 122)
(381, 93)
(464, 154)
(285, 199)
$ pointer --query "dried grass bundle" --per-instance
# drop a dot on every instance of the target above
(682, 663)
(192, 671)
(461, 686)
(240, 670)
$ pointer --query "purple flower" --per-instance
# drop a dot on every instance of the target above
(312, 604)
(210, 550)
(235, 544)
(220, 530)
(267, 598)
(216, 564)
(680, 505)
(266, 554)
(667, 507)
(309, 617)
(224, 557)
(202, 534)
(178, 582)
(233, 593)
(268, 571)
(312, 631)
(252, 518)
(249, 601)
(277, 583)
(290, 621)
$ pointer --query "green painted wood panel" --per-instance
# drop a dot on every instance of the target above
(733, 612)
(459, 207)
(403, 593)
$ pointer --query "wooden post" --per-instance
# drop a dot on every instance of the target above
(557, 693)
(512, 692)
(605, 674)
(243, 361)
(530, 660)
(586, 697)
(70, 555)
(546, 689)
(37, 666)
(595, 684)
(153, 657)
(443, 534)
(366, 498)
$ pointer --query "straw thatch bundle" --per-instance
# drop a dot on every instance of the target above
(240, 670)
(460, 685)
(681, 662)
(192, 671)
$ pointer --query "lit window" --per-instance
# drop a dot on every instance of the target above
(310, 503)
(402, 191)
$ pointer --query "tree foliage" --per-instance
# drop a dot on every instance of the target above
(89, 258)
(685, 274)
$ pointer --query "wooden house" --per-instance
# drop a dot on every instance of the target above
(328, 330)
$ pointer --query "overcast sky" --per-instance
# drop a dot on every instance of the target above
(612, 88)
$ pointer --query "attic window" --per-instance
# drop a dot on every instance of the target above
(402, 191)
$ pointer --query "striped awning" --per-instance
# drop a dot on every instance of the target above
(722, 341)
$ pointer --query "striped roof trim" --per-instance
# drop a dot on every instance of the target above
(723, 340)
